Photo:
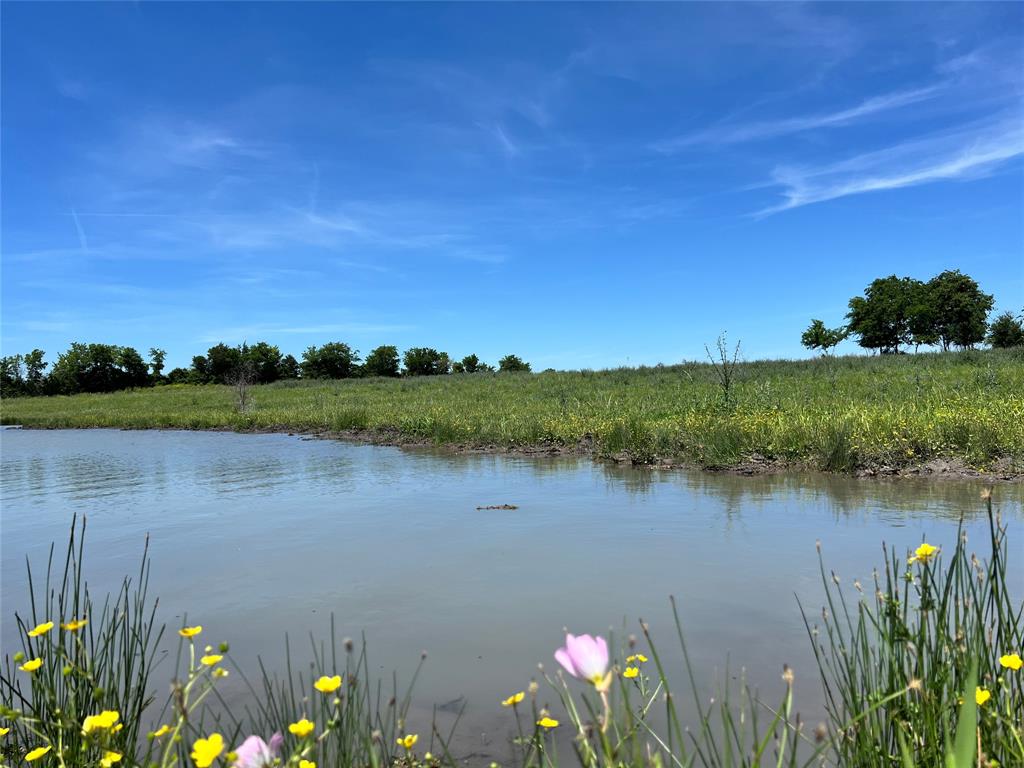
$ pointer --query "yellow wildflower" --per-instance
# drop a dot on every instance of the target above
(408, 741)
(547, 722)
(210, 659)
(205, 751)
(328, 684)
(636, 657)
(1011, 661)
(981, 696)
(924, 553)
(163, 730)
(4, 731)
(41, 629)
(302, 729)
(103, 721)
(38, 752)
(190, 631)
(307, 764)
(514, 699)
(74, 625)
(220, 672)
(31, 665)
(109, 758)
(630, 672)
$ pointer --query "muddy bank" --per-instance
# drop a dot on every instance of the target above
(1004, 470)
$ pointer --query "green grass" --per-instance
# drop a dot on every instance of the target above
(839, 414)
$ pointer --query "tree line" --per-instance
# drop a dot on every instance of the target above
(108, 367)
(949, 311)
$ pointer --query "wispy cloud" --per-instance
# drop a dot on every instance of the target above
(768, 129)
(82, 240)
(968, 153)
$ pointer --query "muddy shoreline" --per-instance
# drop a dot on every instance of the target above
(936, 469)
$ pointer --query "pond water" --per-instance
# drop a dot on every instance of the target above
(256, 536)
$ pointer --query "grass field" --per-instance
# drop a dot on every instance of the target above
(840, 414)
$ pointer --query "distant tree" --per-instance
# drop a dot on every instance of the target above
(458, 367)
(958, 308)
(264, 360)
(179, 376)
(333, 360)
(1006, 331)
(383, 361)
(12, 382)
(425, 361)
(35, 376)
(817, 336)
(513, 364)
(221, 362)
(881, 318)
(290, 367)
(470, 363)
(97, 368)
(200, 371)
(156, 362)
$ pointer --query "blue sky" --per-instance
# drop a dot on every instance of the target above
(586, 185)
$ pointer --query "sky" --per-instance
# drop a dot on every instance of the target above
(584, 185)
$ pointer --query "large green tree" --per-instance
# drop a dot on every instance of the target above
(881, 318)
(334, 360)
(382, 361)
(425, 361)
(958, 308)
(97, 368)
(264, 360)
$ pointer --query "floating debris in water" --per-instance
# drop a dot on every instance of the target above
(499, 506)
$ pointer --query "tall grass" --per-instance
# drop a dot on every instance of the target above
(924, 672)
(924, 629)
(840, 414)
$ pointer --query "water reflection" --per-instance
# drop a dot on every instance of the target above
(256, 535)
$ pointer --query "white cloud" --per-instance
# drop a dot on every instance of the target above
(970, 152)
(754, 131)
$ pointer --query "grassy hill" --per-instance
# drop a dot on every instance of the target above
(841, 414)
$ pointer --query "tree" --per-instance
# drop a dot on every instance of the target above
(881, 318)
(221, 362)
(817, 336)
(383, 361)
(97, 368)
(425, 361)
(156, 361)
(958, 307)
(290, 367)
(179, 376)
(513, 364)
(333, 360)
(470, 363)
(1006, 331)
(35, 378)
(12, 383)
(264, 361)
(200, 372)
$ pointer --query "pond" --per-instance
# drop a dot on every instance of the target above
(256, 536)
